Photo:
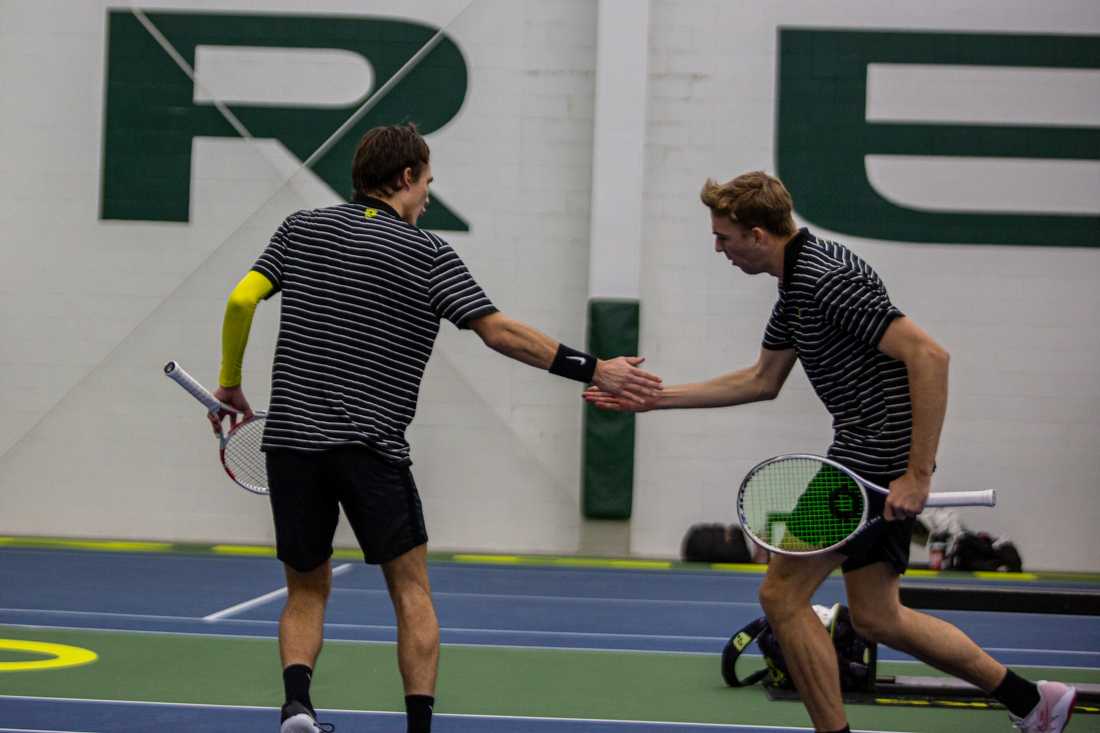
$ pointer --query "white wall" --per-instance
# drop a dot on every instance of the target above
(95, 442)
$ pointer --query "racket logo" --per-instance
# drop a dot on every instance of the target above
(846, 502)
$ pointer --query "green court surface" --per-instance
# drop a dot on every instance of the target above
(482, 680)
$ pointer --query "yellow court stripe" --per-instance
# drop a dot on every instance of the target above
(576, 562)
(922, 573)
(251, 550)
(585, 562)
(106, 545)
(739, 567)
(137, 546)
(493, 559)
(907, 702)
(990, 575)
(61, 655)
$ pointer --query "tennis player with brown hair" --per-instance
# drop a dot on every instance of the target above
(884, 381)
(363, 292)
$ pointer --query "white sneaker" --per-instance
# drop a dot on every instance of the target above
(298, 719)
(1052, 713)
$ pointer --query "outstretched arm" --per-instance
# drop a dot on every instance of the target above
(619, 376)
(761, 381)
(927, 364)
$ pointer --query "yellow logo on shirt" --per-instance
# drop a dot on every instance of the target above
(370, 213)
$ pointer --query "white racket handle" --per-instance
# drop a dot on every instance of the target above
(947, 498)
(178, 375)
(963, 498)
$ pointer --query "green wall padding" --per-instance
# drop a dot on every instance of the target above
(607, 457)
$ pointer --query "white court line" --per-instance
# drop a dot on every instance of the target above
(470, 645)
(578, 634)
(572, 599)
(1039, 651)
(456, 629)
(377, 642)
(108, 614)
(265, 598)
(373, 627)
(39, 730)
(466, 716)
(257, 601)
(102, 701)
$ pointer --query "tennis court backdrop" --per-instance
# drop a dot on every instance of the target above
(954, 145)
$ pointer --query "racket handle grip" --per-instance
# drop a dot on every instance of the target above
(178, 375)
(963, 498)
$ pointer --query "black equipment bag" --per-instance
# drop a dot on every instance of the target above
(715, 543)
(980, 551)
(857, 658)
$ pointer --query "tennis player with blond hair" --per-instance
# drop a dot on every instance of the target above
(884, 381)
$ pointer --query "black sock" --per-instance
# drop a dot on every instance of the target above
(845, 729)
(1017, 694)
(418, 711)
(296, 679)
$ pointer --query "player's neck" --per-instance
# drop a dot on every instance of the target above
(395, 200)
(779, 255)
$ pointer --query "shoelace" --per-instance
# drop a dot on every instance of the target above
(1044, 718)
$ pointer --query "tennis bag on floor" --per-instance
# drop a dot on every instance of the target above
(980, 551)
(715, 543)
(857, 658)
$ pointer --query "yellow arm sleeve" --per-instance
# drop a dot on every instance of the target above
(252, 288)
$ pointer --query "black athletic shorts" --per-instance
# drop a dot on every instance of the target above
(887, 542)
(307, 490)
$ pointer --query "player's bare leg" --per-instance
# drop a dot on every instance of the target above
(877, 614)
(417, 626)
(811, 659)
(301, 626)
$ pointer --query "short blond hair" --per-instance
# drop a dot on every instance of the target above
(752, 199)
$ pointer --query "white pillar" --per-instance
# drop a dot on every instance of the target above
(618, 155)
(618, 167)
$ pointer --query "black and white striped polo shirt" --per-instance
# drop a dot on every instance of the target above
(362, 296)
(833, 310)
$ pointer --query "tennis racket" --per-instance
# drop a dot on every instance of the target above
(801, 504)
(240, 447)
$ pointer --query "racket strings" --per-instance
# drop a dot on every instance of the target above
(243, 458)
(801, 504)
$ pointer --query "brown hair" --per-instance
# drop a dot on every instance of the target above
(383, 155)
(753, 200)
